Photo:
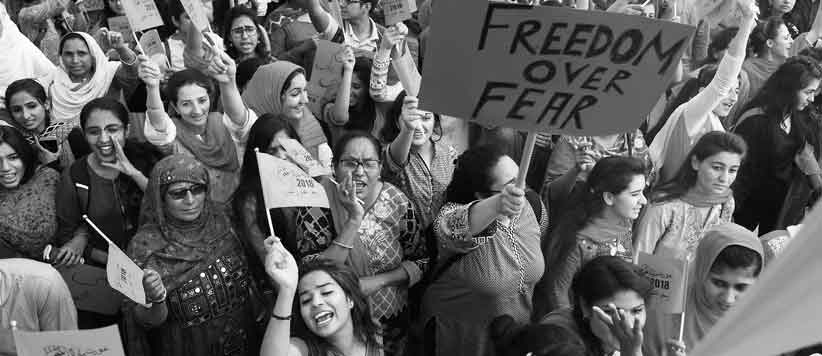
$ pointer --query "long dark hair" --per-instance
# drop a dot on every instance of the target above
(599, 279)
(710, 144)
(104, 104)
(472, 173)
(259, 137)
(778, 95)
(22, 147)
(33, 88)
(362, 116)
(233, 14)
(391, 129)
(365, 329)
(719, 42)
(687, 92)
(610, 175)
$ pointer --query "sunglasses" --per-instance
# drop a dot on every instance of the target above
(180, 194)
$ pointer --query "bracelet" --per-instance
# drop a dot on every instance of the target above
(335, 242)
(283, 318)
(132, 62)
(162, 299)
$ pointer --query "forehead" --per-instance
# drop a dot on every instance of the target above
(102, 118)
(504, 171)
(298, 82)
(360, 148)
(637, 183)
(813, 85)
(179, 185)
(727, 158)
(21, 97)
(626, 299)
(6, 149)
(314, 280)
(191, 91)
(242, 21)
(75, 45)
(743, 275)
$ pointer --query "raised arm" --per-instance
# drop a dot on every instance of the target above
(319, 17)
(150, 74)
(343, 100)
(281, 267)
(816, 29)
(378, 86)
(409, 123)
(224, 70)
(696, 110)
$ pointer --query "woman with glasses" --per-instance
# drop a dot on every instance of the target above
(372, 228)
(107, 185)
(489, 257)
(197, 280)
(243, 38)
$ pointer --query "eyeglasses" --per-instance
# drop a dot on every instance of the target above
(349, 2)
(367, 164)
(248, 30)
(180, 194)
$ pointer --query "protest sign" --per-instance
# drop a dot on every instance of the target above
(326, 74)
(197, 14)
(142, 14)
(303, 158)
(780, 312)
(90, 289)
(152, 44)
(548, 69)
(397, 11)
(667, 278)
(124, 275)
(284, 184)
(120, 24)
(98, 342)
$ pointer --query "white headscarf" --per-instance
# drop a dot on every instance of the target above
(19, 58)
(67, 97)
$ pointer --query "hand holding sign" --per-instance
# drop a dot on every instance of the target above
(197, 14)
(393, 35)
(348, 59)
(149, 72)
(153, 285)
(280, 264)
(121, 272)
(511, 200)
(411, 116)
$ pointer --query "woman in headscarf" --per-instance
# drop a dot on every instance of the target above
(190, 242)
(27, 193)
(727, 262)
(280, 88)
(215, 139)
(698, 198)
(86, 73)
(19, 58)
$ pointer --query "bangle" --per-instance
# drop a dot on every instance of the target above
(132, 61)
(283, 318)
(162, 299)
(335, 242)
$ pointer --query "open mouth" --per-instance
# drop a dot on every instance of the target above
(106, 150)
(8, 178)
(324, 318)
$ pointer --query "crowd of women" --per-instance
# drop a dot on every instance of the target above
(429, 246)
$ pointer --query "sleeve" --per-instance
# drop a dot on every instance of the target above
(697, 109)
(240, 133)
(57, 311)
(330, 32)
(315, 231)
(750, 165)
(157, 138)
(68, 208)
(559, 280)
(392, 166)
(126, 78)
(278, 42)
(415, 260)
(453, 231)
(650, 229)
(378, 84)
(806, 160)
(328, 114)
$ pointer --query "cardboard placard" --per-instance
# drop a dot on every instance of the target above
(397, 11)
(142, 14)
(90, 289)
(666, 276)
(304, 159)
(120, 24)
(284, 184)
(98, 342)
(326, 74)
(197, 14)
(548, 69)
(124, 275)
(154, 47)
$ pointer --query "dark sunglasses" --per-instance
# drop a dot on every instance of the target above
(180, 194)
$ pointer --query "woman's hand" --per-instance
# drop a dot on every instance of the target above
(45, 156)
(347, 191)
(153, 286)
(71, 253)
(348, 59)
(748, 9)
(410, 116)
(222, 68)
(122, 164)
(512, 200)
(627, 330)
(149, 72)
(675, 347)
(115, 39)
(280, 264)
(393, 35)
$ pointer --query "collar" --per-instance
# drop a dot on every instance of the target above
(375, 36)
